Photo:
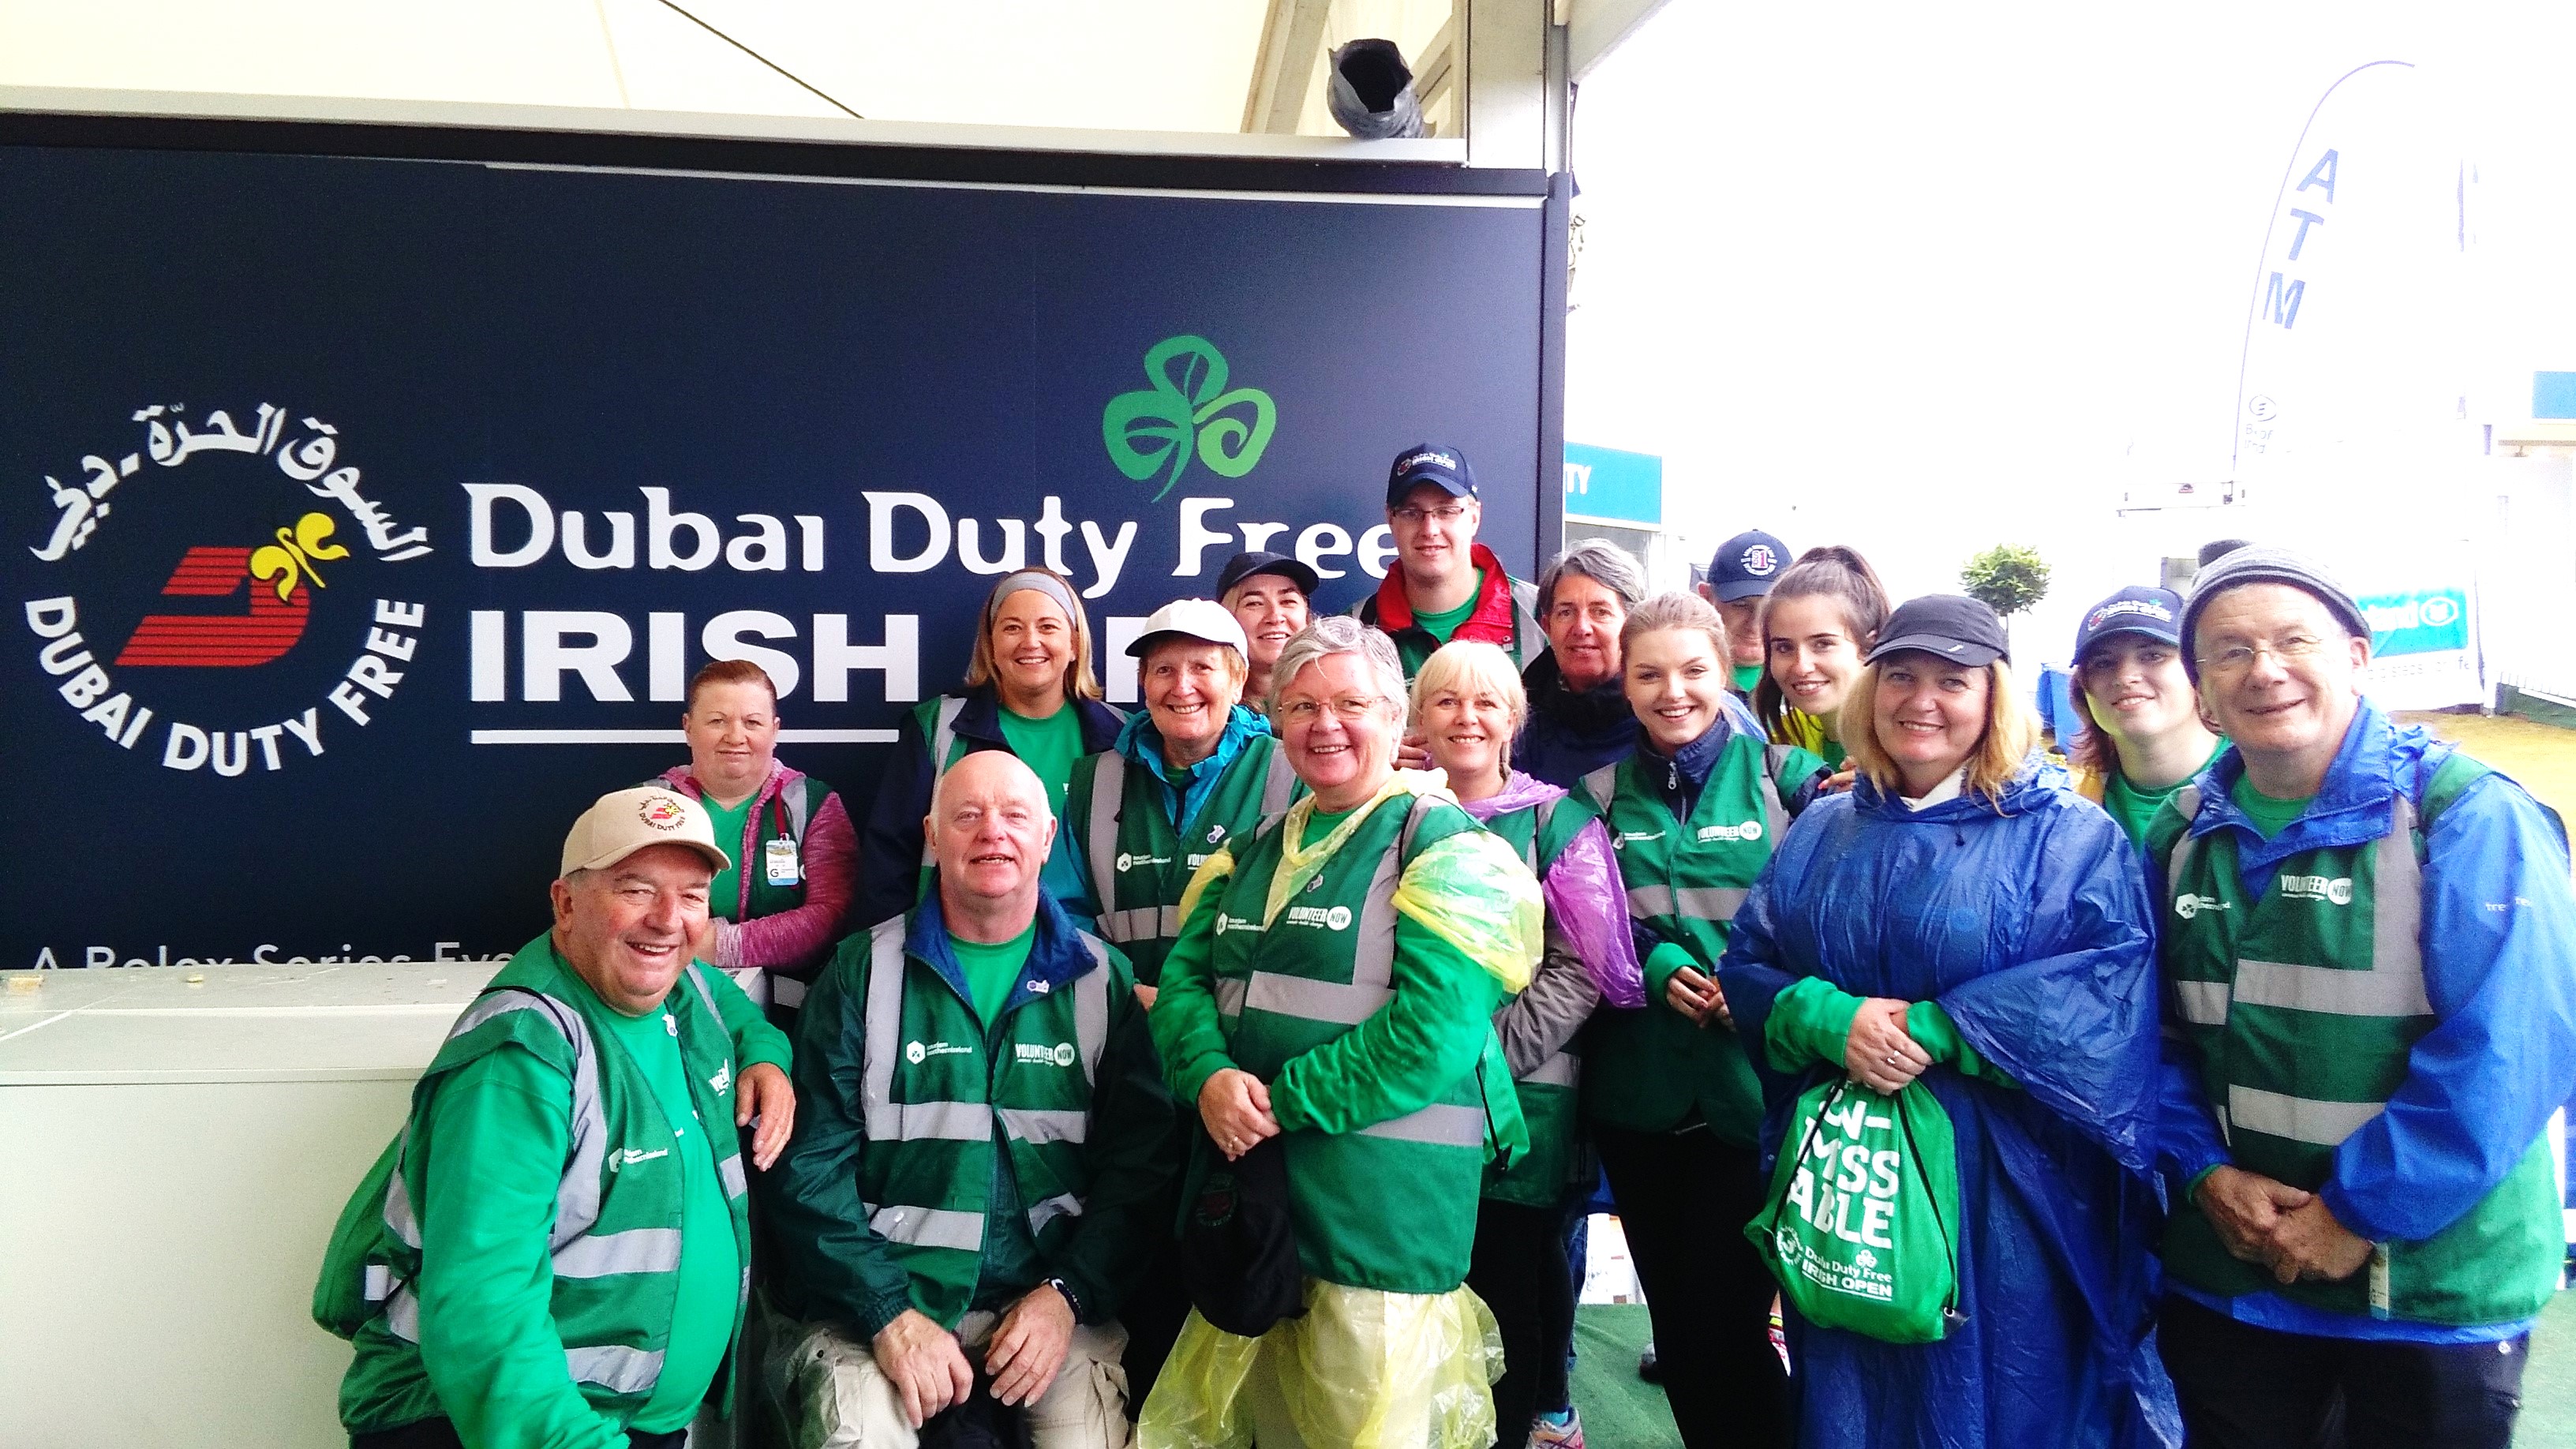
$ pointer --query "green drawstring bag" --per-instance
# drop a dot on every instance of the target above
(1861, 1225)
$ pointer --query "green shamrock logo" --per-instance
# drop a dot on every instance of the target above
(1187, 410)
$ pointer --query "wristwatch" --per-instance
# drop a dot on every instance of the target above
(1072, 1299)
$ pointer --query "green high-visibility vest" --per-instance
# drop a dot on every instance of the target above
(1140, 862)
(2304, 1003)
(1391, 1206)
(1547, 1091)
(1648, 1070)
(614, 1248)
(938, 1089)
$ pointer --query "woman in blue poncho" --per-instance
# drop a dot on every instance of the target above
(1963, 918)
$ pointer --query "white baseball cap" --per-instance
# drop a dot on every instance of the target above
(620, 824)
(1203, 619)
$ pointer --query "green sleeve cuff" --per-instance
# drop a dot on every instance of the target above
(2191, 1189)
(1288, 1105)
(1667, 958)
(1809, 1023)
(1929, 1023)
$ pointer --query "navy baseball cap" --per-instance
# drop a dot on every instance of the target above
(2137, 609)
(1950, 626)
(1430, 463)
(1244, 565)
(1745, 565)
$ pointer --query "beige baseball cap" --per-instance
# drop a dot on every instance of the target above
(620, 824)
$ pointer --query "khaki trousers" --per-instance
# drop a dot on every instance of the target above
(830, 1394)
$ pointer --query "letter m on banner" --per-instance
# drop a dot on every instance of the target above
(2281, 300)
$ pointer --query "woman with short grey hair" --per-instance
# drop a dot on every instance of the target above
(1578, 712)
(1328, 1004)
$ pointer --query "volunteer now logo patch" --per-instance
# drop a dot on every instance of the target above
(1327, 918)
(289, 571)
(1038, 1054)
(1749, 830)
(2337, 891)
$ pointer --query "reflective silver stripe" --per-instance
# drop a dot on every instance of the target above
(943, 738)
(930, 1228)
(400, 1216)
(2203, 1003)
(1312, 1000)
(1141, 923)
(637, 1250)
(1229, 992)
(402, 1315)
(1373, 952)
(1108, 796)
(1775, 816)
(1440, 1126)
(882, 1030)
(1559, 1070)
(2301, 1119)
(706, 996)
(1602, 784)
(938, 1122)
(729, 1172)
(1279, 783)
(1063, 1205)
(786, 990)
(615, 1367)
(2397, 911)
(577, 1194)
(1649, 901)
(2332, 992)
(1043, 1124)
(795, 792)
(379, 1281)
(1709, 903)
(1091, 1009)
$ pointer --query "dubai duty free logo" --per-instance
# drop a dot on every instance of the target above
(274, 557)
(1188, 412)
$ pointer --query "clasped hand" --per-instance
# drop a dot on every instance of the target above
(2289, 1232)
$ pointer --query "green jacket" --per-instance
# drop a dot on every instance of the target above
(1372, 1028)
(546, 1325)
(1137, 860)
(1549, 1109)
(1651, 1070)
(892, 1194)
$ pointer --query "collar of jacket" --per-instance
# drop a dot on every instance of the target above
(2354, 805)
(2028, 789)
(684, 780)
(981, 720)
(1599, 711)
(1492, 619)
(1056, 956)
(1518, 793)
(1696, 759)
(1139, 741)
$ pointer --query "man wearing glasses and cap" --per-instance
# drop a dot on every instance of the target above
(1740, 575)
(2370, 1018)
(1445, 585)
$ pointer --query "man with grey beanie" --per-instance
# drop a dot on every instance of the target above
(2369, 1020)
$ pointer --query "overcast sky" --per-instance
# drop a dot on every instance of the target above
(1925, 279)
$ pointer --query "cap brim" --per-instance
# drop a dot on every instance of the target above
(1396, 490)
(1729, 592)
(2164, 634)
(1144, 642)
(1290, 569)
(1955, 651)
(714, 855)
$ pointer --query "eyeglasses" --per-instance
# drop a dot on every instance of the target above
(2238, 659)
(1446, 513)
(1350, 709)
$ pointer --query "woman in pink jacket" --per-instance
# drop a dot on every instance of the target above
(773, 918)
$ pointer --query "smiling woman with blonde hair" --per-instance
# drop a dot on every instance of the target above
(1467, 706)
(1030, 689)
(1962, 922)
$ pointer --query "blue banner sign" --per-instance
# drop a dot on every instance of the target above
(365, 518)
(1613, 485)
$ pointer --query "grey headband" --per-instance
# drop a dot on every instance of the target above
(1032, 579)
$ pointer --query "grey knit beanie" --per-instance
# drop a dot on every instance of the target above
(2258, 564)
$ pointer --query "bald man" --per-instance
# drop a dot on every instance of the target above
(986, 1159)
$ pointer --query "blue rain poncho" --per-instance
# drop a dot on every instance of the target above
(2025, 922)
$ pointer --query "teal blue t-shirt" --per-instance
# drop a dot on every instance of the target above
(710, 1267)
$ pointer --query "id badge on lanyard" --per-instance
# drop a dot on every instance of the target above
(782, 868)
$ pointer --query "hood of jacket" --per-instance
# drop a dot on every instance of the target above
(1518, 793)
(1491, 620)
(2030, 788)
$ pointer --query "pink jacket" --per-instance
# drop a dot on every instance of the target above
(798, 942)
